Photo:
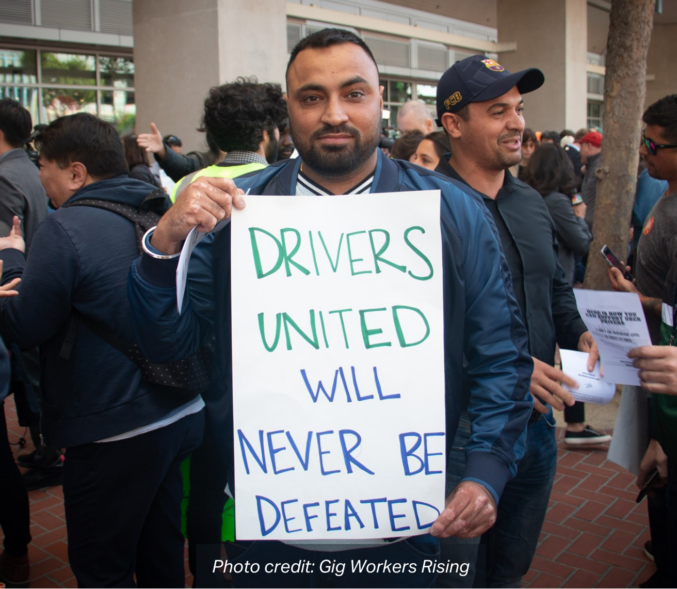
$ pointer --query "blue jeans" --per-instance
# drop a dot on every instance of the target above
(335, 569)
(505, 552)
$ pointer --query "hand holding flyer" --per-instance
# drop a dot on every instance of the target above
(591, 387)
(616, 321)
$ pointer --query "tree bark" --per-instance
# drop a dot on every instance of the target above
(630, 26)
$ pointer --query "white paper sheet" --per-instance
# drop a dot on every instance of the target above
(631, 435)
(591, 387)
(194, 237)
(616, 321)
(338, 366)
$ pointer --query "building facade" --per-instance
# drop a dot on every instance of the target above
(133, 62)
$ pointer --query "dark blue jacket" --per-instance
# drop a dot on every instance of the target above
(80, 257)
(481, 316)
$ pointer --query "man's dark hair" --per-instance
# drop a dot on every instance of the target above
(551, 135)
(464, 112)
(566, 133)
(172, 140)
(15, 122)
(328, 38)
(663, 113)
(235, 115)
(550, 170)
(84, 138)
(580, 134)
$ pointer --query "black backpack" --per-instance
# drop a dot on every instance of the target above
(191, 373)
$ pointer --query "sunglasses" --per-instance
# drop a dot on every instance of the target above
(652, 147)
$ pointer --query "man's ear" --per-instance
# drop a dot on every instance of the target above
(79, 176)
(380, 93)
(452, 125)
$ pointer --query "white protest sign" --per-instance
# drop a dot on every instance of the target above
(616, 321)
(338, 366)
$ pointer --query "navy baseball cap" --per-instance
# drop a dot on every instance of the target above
(479, 78)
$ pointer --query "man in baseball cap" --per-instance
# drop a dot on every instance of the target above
(480, 106)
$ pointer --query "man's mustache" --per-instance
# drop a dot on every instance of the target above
(329, 130)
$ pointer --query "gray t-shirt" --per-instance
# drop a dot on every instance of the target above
(656, 252)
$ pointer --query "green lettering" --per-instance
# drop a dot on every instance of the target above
(289, 321)
(350, 256)
(398, 326)
(367, 333)
(257, 256)
(289, 255)
(343, 327)
(334, 267)
(277, 332)
(419, 253)
(379, 253)
(312, 249)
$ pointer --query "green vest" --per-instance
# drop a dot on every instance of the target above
(216, 171)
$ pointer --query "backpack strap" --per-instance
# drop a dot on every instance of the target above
(145, 216)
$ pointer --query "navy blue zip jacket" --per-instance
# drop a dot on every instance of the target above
(80, 257)
(482, 320)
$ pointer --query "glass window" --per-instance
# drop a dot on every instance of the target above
(28, 97)
(68, 69)
(118, 107)
(60, 102)
(116, 71)
(399, 92)
(595, 84)
(18, 67)
(595, 114)
(426, 93)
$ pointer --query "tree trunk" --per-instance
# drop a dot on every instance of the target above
(630, 27)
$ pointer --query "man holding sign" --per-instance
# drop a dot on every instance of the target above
(335, 105)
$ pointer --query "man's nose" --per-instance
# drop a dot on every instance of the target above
(334, 113)
(516, 121)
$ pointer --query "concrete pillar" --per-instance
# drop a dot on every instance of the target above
(551, 36)
(181, 49)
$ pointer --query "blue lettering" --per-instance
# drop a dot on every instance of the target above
(305, 462)
(406, 453)
(373, 503)
(308, 517)
(418, 520)
(330, 515)
(350, 512)
(288, 519)
(272, 450)
(347, 454)
(264, 531)
(427, 454)
(244, 441)
(394, 516)
(319, 447)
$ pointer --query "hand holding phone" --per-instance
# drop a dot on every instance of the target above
(653, 479)
(614, 262)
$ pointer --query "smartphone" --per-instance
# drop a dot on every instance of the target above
(614, 262)
(653, 479)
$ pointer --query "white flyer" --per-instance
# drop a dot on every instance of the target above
(616, 321)
(591, 387)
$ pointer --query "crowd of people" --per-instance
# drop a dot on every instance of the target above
(119, 389)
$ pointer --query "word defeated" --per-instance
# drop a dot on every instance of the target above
(336, 515)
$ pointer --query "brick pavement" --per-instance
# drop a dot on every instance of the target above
(592, 537)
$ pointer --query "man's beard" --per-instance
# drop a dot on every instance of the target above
(340, 160)
(271, 149)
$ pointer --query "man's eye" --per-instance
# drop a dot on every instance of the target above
(356, 94)
(311, 98)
